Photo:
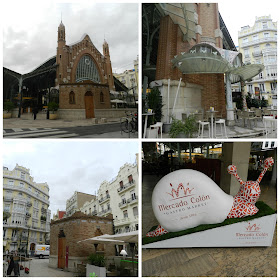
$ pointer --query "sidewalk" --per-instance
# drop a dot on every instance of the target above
(237, 131)
(27, 122)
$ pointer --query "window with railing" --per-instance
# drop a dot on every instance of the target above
(125, 214)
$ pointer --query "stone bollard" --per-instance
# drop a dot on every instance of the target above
(103, 120)
(94, 120)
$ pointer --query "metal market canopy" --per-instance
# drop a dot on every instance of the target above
(206, 58)
(182, 14)
(247, 72)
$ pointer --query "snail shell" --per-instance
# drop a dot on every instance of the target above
(187, 198)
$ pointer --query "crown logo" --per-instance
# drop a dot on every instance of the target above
(253, 227)
(181, 191)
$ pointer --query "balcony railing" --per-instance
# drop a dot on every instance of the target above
(94, 212)
(123, 204)
(28, 215)
(104, 199)
(8, 198)
(257, 53)
(259, 41)
(126, 186)
(123, 221)
(132, 200)
(104, 211)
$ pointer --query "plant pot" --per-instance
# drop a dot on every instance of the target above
(7, 115)
(95, 271)
(53, 116)
(166, 127)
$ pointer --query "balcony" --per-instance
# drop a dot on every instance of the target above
(8, 198)
(123, 204)
(121, 222)
(14, 239)
(259, 41)
(132, 200)
(257, 53)
(29, 204)
(43, 210)
(27, 215)
(105, 211)
(104, 199)
(126, 186)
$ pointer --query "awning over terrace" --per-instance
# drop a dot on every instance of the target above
(206, 58)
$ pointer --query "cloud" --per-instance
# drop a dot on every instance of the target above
(69, 166)
(29, 39)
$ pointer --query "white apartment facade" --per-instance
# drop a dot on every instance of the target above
(26, 204)
(118, 197)
(258, 44)
(130, 79)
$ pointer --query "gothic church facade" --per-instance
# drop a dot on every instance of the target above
(83, 76)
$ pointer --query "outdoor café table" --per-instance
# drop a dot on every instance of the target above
(146, 121)
(212, 114)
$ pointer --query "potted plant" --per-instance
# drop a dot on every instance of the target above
(8, 107)
(96, 266)
(183, 128)
(53, 107)
(154, 100)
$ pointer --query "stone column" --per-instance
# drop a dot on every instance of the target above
(236, 153)
(230, 113)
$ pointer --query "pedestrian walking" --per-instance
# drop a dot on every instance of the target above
(35, 111)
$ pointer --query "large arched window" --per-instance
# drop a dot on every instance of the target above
(87, 70)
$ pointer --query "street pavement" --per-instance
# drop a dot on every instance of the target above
(40, 268)
(43, 128)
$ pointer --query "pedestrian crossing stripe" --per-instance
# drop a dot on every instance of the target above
(45, 133)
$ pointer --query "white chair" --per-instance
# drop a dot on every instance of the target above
(157, 126)
(268, 122)
(201, 125)
(222, 123)
(152, 132)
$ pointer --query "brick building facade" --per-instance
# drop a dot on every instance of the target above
(187, 41)
(172, 43)
(66, 233)
(84, 77)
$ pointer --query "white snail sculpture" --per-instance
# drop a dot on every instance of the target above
(187, 198)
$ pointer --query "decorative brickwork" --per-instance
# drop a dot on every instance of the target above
(171, 44)
(72, 78)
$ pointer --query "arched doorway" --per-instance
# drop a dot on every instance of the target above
(61, 249)
(89, 106)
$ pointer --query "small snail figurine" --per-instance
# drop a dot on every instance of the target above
(187, 198)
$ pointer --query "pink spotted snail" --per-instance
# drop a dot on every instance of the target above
(187, 198)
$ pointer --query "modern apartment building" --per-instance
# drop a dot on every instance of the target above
(76, 201)
(118, 197)
(26, 219)
(258, 44)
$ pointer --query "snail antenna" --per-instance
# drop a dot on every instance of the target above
(267, 163)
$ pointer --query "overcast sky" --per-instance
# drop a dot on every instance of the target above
(239, 13)
(30, 31)
(69, 166)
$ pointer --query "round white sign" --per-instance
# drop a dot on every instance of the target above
(187, 198)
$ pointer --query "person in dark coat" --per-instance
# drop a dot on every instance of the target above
(35, 112)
